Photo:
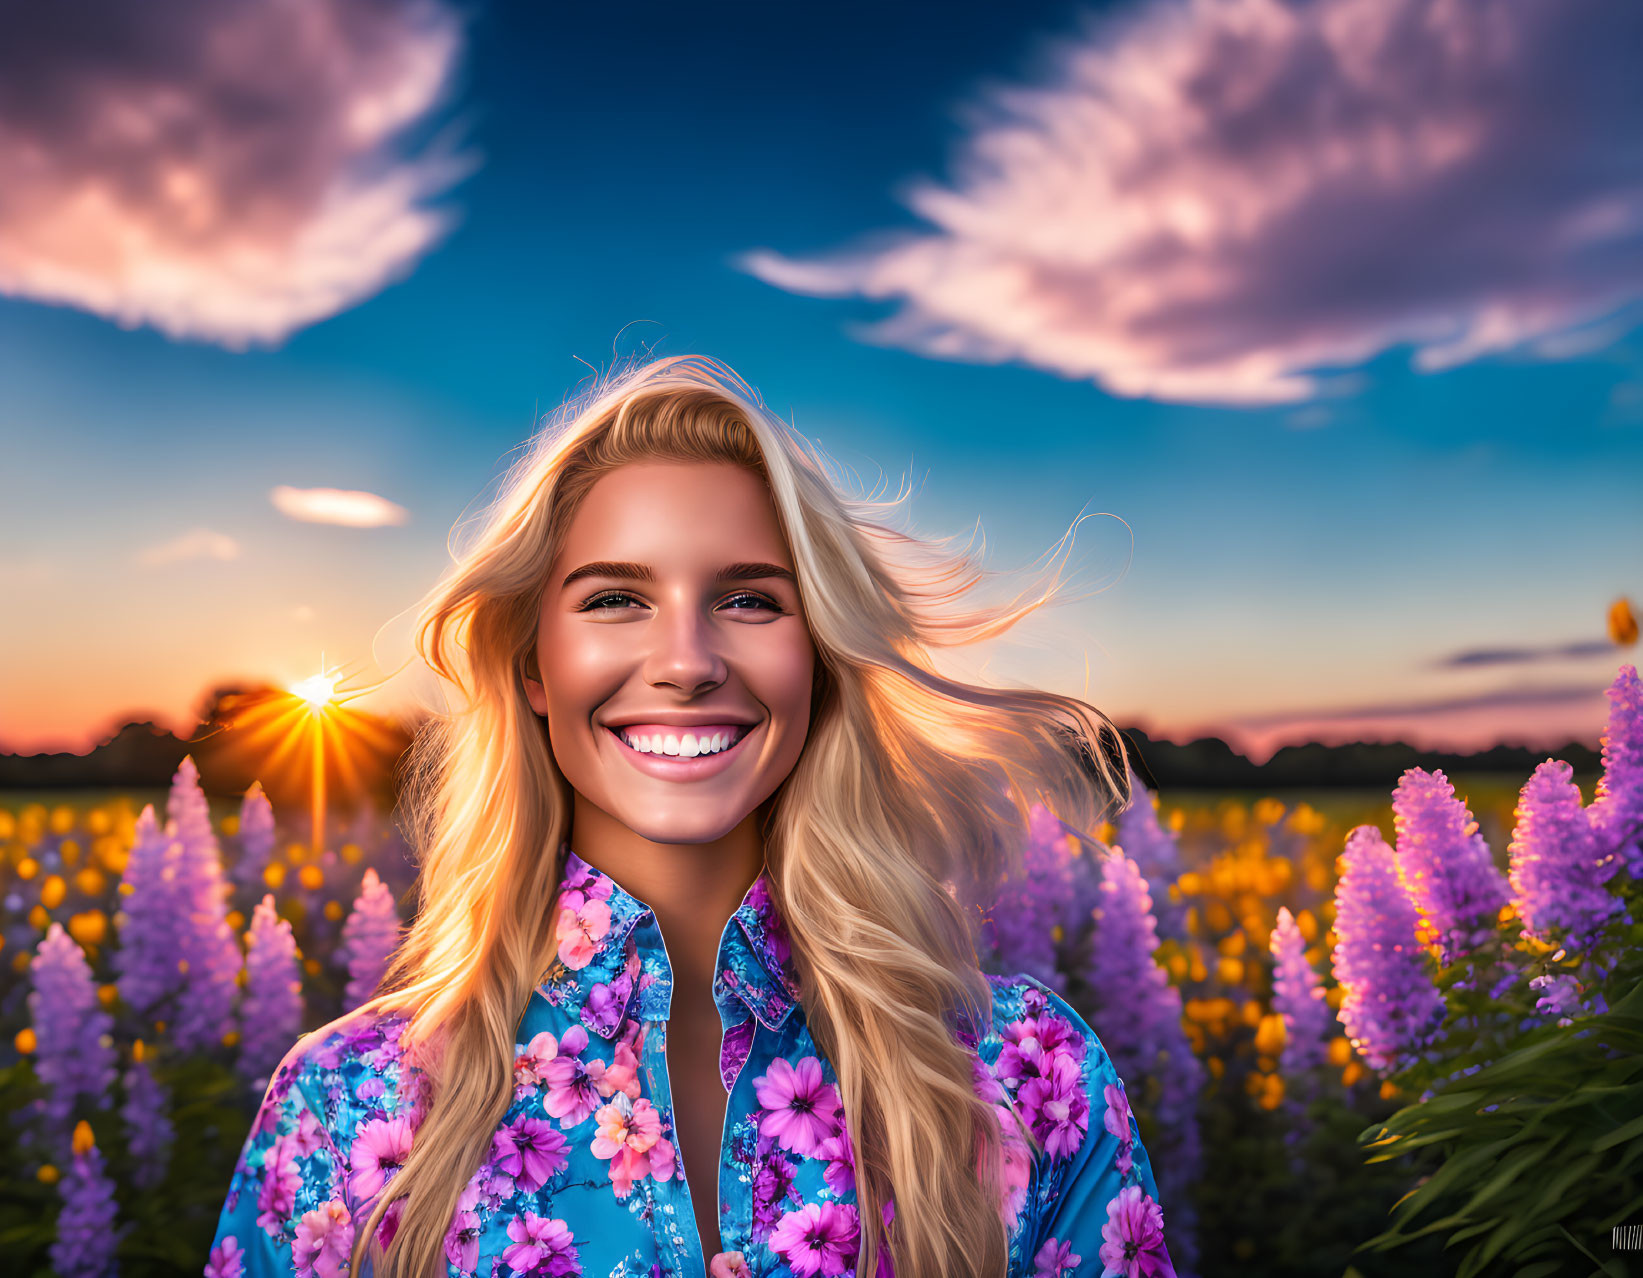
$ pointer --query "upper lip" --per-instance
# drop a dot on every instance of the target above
(683, 719)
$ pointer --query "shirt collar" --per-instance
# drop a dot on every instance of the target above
(599, 964)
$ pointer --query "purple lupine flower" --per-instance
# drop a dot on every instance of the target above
(1139, 1014)
(1158, 854)
(368, 939)
(1617, 809)
(1298, 996)
(86, 1233)
(74, 1035)
(1028, 907)
(256, 836)
(1391, 1006)
(149, 1129)
(271, 1013)
(1557, 874)
(1444, 862)
(206, 941)
(146, 961)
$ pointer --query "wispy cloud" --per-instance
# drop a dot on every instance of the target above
(1569, 694)
(196, 543)
(1229, 201)
(1520, 656)
(226, 172)
(349, 507)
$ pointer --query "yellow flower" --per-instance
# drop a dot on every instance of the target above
(311, 877)
(274, 875)
(25, 1041)
(90, 881)
(52, 891)
(47, 1174)
(1230, 971)
(1270, 1034)
(333, 910)
(1340, 1051)
(83, 1139)
(89, 927)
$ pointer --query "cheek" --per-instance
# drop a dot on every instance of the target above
(580, 668)
(785, 676)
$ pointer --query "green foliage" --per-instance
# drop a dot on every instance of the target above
(168, 1228)
(1541, 1149)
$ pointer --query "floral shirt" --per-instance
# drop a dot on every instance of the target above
(583, 1175)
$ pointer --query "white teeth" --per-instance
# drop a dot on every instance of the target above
(689, 747)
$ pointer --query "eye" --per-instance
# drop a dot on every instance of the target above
(602, 600)
(770, 604)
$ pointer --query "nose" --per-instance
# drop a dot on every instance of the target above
(685, 654)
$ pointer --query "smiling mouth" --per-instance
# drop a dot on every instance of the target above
(658, 752)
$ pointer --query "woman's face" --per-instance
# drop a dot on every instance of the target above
(670, 627)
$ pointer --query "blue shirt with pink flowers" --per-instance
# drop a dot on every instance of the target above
(583, 1175)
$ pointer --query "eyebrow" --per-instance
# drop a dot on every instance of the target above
(644, 572)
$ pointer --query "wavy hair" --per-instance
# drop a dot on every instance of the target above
(909, 800)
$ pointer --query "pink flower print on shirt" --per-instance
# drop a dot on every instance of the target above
(310, 1135)
(227, 1259)
(380, 1150)
(729, 1264)
(529, 1064)
(630, 1135)
(277, 1195)
(801, 1108)
(581, 926)
(1031, 1044)
(1134, 1233)
(1117, 1122)
(540, 1246)
(571, 1095)
(621, 1075)
(818, 1238)
(324, 1241)
(462, 1239)
(1056, 1107)
(841, 1161)
(1055, 1259)
(530, 1151)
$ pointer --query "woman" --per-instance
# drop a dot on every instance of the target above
(694, 700)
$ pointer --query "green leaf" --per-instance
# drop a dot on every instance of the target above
(1621, 1135)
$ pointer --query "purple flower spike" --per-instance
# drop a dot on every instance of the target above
(206, 941)
(1028, 907)
(1557, 874)
(1155, 850)
(150, 1133)
(1298, 996)
(271, 1015)
(1617, 809)
(368, 939)
(1138, 1013)
(146, 961)
(86, 1234)
(1445, 864)
(73, 1034)
(1391, 1006)
(256, 837)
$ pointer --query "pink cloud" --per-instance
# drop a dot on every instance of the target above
(350, 507)
(1229, 201)
(196, 543)
(223, 172)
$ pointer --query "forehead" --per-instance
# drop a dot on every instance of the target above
(666, 512)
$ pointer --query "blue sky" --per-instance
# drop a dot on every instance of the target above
(1273, 551)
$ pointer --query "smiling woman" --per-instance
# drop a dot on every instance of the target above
(693, 984)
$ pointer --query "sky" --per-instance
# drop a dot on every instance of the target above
(1322, 322)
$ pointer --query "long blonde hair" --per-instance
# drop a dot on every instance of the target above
(906, 805)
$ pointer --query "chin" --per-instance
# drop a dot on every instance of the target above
(682, 829)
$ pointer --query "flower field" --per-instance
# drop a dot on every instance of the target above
(1361, 1033)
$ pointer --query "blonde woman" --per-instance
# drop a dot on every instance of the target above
(692, 985)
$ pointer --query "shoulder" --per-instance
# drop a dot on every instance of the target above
(1051, 1064)
(349, 1072)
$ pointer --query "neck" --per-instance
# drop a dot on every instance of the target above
(693, 888)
